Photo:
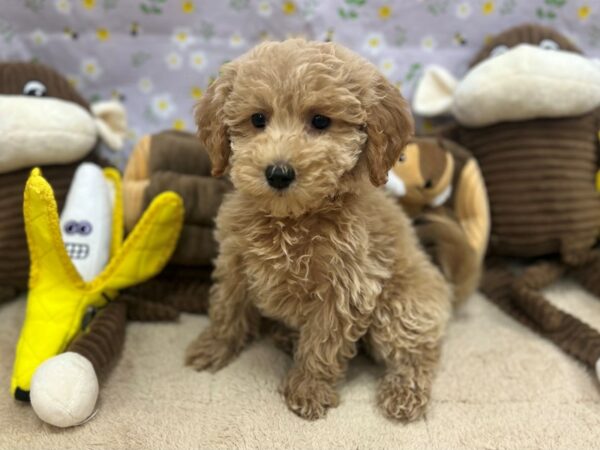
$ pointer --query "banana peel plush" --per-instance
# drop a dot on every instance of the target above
(59, 296)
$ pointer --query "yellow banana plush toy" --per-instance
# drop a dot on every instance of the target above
(62, 289)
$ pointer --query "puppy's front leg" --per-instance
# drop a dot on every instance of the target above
(405, 334)
(324, 348)
(233, 319)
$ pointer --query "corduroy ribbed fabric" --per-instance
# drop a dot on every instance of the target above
(103, 342)
(540, 177)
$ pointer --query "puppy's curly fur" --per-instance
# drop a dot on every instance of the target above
(331, 256)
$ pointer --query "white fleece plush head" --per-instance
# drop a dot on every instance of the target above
(43, 120)
(513, 81)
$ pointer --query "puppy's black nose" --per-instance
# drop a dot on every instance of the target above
(280, 176)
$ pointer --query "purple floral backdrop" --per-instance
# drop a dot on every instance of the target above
(158, 56)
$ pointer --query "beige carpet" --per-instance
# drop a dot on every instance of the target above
(499, 386)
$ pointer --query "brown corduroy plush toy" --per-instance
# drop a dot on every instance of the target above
(529, 110)
(174, 160)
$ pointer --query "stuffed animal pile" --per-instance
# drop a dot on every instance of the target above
(528, 109)
(75, 322)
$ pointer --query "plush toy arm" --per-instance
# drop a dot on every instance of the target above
(64, 389)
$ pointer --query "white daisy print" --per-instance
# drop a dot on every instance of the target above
(374, 43)
(264, 8)
(463, 10)
(198, 60)
(182, 37)
(145, 85)
(174, 61)
(387, 66)
(90, 68)
(38, 37)
(162, 106)
(236, 40)
(428, 43)
(63, 6)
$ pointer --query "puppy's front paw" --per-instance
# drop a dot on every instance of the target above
(308, 397)
(209, 352)
(402, 399)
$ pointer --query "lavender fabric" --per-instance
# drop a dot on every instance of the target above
(158, 56)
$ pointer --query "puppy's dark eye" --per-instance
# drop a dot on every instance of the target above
(428, 184)
(320, 122)
(259, 120)
(402, 157)
(34, 88)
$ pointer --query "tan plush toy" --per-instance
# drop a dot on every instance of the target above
(529, 110)
(440, 186)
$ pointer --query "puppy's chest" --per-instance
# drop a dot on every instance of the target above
(291, 268)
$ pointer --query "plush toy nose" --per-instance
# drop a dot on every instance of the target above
(280, 176)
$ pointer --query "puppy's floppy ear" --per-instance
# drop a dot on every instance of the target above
(389, 127)
(210, 119)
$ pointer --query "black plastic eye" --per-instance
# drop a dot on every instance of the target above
(320, 122)
(85, 227)
(35, 89)
(428, 184)
(259, 120)
(71, 227)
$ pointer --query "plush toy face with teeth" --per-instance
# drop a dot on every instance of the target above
(86, 226)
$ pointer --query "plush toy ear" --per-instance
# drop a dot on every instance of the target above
(434, 92)
(389, 127)
(111, 121)
(210, 119)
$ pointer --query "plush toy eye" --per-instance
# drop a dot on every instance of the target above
(549, 44)
(71, 227)
(402, 157)
(35, 89)
(85, 227)
(498, 50)
(259, 120)
(320, 122)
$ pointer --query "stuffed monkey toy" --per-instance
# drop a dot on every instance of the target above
(440, 186)
(47, 123)
(529, 111)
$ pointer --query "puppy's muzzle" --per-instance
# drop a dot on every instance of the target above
(280, 176)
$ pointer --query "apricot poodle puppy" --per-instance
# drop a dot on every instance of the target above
(308, 131)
